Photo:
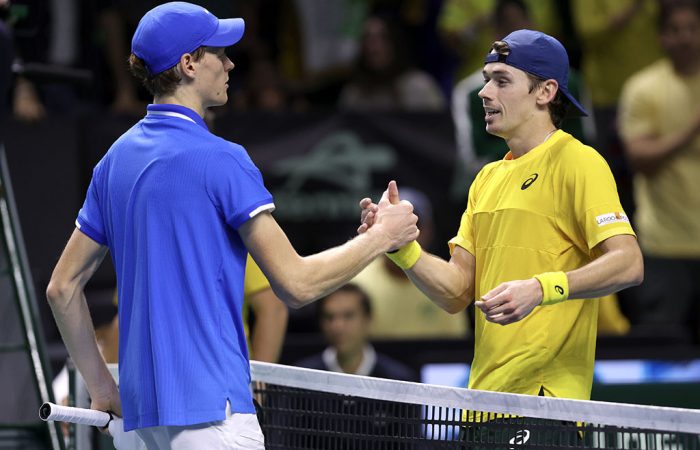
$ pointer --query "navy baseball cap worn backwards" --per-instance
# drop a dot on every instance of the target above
(170, 30)
(541, 55)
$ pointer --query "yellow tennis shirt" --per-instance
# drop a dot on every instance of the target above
(545, 211)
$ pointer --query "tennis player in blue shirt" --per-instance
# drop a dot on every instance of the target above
(178, 208)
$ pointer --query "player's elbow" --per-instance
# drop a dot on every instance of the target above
(58, 293)
(455, 298)
(295, 295)
(295, 302)
(637, 270)
(633, 274)
(454, 306)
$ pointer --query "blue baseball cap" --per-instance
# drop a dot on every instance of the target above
(540, 55)
(170, 30)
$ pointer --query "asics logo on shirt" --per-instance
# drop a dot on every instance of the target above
(527, 183)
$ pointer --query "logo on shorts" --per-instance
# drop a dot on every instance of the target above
(521, 437)
(527, 183)
(605, 219)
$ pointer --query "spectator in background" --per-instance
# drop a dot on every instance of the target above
(660, 126)
(345, 317)
(117, 20)
(390, 292)
(26, 104)
(264, 89)
(467, 27)
(318, 43)
(383, 79)
(617, 38)
(265, 332)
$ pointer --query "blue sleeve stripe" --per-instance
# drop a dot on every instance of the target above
(90, 232)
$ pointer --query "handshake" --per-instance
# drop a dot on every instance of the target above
(394, 218)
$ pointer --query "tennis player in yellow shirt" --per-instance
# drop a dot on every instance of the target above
(543, 234)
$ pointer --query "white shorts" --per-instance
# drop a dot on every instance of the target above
(237, 432)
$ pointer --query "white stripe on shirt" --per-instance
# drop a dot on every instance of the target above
(267, 207)
(171, 114)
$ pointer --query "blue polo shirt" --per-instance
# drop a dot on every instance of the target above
(168, 198)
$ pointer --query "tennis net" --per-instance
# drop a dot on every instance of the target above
(311, 409)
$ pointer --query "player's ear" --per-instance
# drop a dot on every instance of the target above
(186, 66)
(547, 91)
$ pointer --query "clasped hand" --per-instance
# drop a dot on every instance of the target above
(395, 216)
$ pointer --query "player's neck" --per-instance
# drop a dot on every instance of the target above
(529, 137)
(182, 97)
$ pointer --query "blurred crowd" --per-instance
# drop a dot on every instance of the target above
(306, 54)
(636, 66)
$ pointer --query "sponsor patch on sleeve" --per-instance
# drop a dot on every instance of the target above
(606, 219)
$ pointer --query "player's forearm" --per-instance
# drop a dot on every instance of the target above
(617, 269)
(317, 275)
(647, 154)
(444, 283)
(70, 310)
(300, 280)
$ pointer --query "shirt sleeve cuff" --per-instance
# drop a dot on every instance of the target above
(90, 232)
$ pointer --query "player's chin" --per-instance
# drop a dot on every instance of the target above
(494, 130)
(220, 98)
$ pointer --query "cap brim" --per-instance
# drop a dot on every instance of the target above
(227, 33)
(578, 108)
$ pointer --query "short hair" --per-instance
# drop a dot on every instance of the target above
(668, 7)
(558, 107)
(350, 288)
(164, 83)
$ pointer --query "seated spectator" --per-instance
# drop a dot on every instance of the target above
(344, 318)
(391, 292)
(383, 79)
